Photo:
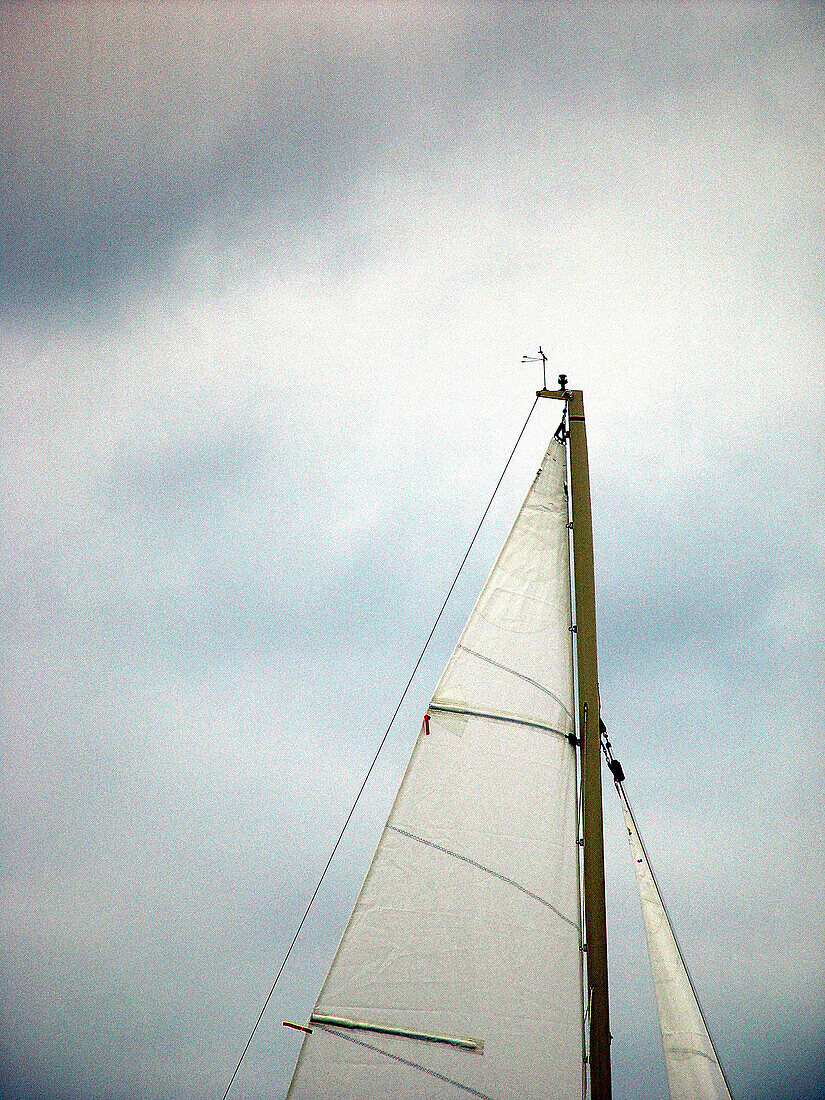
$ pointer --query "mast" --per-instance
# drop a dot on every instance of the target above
(589, 723)
(589, 719)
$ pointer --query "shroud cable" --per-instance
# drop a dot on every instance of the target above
(378, 750)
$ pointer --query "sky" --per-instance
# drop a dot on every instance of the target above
(267, 275)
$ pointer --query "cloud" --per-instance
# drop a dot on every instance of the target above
(267, 284)
(128, 130)
(129, 127)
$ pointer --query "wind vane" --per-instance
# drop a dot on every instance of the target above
(540, 358)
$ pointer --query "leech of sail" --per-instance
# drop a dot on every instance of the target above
(404, 1033)
(496, 717)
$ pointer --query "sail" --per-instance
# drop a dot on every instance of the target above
(459, 973)
(693, 1068)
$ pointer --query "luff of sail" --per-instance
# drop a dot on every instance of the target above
(468, 922)
(693, 1068)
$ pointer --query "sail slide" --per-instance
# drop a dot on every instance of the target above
(693, 1068)
(459, 973)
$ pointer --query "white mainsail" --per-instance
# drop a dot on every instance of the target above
(459, 972)
(693, 1068)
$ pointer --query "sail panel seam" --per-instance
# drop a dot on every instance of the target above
(446, 709)
(683, 1048)
(515, 672)
(487, 870)
(405, 1061)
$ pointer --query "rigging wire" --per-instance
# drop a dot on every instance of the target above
(378, 750)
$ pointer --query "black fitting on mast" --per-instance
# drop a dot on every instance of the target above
(616, 768)
(562, 433)
(612, 763)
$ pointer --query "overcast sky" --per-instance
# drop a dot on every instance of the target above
(268, 274)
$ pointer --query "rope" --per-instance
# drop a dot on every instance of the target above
(378, 750)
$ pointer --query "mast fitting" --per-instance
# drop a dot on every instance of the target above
(616, 768)
(540, 358)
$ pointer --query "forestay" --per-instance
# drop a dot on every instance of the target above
(466, 933)
(693, 1068)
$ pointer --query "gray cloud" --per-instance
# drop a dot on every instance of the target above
(125, 136)
(233, 496)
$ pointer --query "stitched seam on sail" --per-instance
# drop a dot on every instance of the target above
(445, 708)
(488, 870)
(682, 1048)
(520, 675)
(404, 1061)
